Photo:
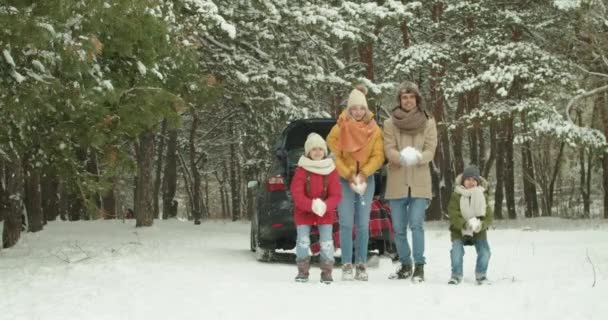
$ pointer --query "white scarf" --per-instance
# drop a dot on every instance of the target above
(472, 204)
(322, 167)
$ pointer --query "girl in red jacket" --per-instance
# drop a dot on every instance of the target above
(315, 189)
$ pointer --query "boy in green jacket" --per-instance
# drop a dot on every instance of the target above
(470, 218)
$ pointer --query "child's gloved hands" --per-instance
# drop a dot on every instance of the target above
(410, 156)
(319, 207)
(474, 224)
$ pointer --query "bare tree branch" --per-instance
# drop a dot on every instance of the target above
(604, 75)
(593, 268)
(583, 95)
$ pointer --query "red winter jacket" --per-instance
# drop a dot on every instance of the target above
(303, 214)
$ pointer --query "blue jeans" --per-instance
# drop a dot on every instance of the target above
(483, 258)
(355, 208)
(325, 239)
(409, 212)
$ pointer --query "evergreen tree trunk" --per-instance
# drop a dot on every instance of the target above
(509, 169)
(366, 54)
(487, 166)
(145, 168)
(482, 148)
(108, 201)
(476, 133)
(442, 157)
(62, 205)
(585, 172)
(405, 34)
(604, 116)
(585, 186)
(605, 162)
(556, 171)
(159, 167)
(50, 198)
(93, 168)
(3, 193)
(135, 191)
(170, 177)
(225, 178)
(234, 185)
(13, 193)
(33, 200)
(223, 199)
(443, 179)
(500, 169)
(587, 199)
(457, 135)
(207, 195)
(473, 147)
(196, 176)
(528, 177)
(76, 209)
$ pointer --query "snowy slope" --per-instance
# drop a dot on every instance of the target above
(175, 270)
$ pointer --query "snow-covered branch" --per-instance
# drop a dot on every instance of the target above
(581, 96)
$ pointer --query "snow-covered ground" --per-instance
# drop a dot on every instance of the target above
(175, 270)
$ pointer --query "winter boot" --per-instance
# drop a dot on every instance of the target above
(326, 269)
(418, 273)
(303, 267)
(347, 272)
(404, 272)
(483, 281)
(360, 272)
(454, 280)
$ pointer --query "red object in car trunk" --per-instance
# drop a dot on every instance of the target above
(275, 183)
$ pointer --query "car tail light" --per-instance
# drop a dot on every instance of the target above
(275, 183)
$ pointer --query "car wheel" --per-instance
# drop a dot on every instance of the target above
(253, 242)
(263, 255)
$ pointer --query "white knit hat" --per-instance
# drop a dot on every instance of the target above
(314, 140)
(357, 97)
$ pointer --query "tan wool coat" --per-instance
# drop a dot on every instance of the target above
(417, 178)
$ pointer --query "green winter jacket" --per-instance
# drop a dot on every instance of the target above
(457, 221)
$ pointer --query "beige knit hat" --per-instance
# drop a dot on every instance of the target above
(357, 97)
(314, 140)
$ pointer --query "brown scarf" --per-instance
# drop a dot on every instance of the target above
(409, 122)
(355, 135)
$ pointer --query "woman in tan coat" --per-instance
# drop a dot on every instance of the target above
(356, 142)
(410, 139)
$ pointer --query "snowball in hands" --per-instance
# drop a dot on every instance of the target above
(410, 156)
(319, 207)
(358, 186)
(474, 224)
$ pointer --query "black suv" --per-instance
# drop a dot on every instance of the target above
(272, 225)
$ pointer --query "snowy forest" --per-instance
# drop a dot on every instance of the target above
(170, 107)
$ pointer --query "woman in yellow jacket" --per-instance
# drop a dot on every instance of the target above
(357, 144)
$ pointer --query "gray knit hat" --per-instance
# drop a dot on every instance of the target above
(471, 171)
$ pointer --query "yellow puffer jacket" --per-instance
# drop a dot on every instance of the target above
(346, 165)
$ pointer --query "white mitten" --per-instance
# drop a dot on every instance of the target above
(410, 156)
(319, 207)
(474, 224)
(359, 187)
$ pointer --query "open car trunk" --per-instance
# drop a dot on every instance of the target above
(291, 146)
